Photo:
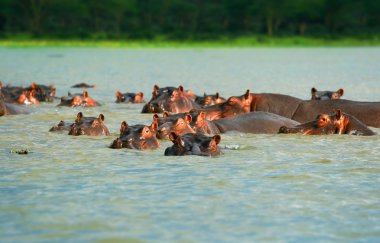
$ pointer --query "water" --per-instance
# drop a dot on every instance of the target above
(263, 188)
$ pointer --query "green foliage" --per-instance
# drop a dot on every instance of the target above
(187, 19)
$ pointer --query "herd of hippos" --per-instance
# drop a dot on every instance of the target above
(194, 123)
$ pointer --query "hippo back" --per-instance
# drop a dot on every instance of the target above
(283, 105)
(254, 122)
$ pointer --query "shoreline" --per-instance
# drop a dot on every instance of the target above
(241, 42)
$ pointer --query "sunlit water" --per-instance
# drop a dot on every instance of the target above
(264, 187)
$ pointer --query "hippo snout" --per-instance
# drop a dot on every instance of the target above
(283, 129)
(117, 144)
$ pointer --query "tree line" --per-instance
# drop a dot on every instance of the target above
(188, 19)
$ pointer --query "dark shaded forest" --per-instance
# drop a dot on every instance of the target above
(187, 19)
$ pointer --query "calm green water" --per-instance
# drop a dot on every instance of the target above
(263, 188)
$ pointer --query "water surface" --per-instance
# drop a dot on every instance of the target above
(263, 188)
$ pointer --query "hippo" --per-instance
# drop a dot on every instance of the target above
(326, 95)
(42, 93)
(162, 100)
(83, 86)
(253, 122)
(10, 109)
(207, 100)
(173, 100)
(78, 100)
(3, 107)
(366, 112)
(62, 126)
(90, 126)
(306, 110)
(233, 106)
(130, 97)
(193, 144)
(137, 137)
(27, 98)
(336, 123)
(180, 127)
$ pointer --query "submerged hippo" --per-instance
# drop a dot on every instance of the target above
(207, 100)
(193, 144)
(42, 93)
(10, 109)
(137, 137)
(326, 95)
(180, 126)
(171, 100)
(133, 98)
(83, 86)
(233, 106)
(90, 126)
(336, 123)
(78, 100)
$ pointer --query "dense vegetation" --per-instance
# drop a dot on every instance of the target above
(187, 19)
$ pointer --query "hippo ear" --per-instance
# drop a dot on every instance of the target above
(155, 88)
(246, 95)
(166, 114)
(338, 114)
(188, 118)
(34, 85)
(201, 116)
(141, 94)
(154, 126)
(155, 117)
(173, 136)
(217, 95)
(340, 92)
(68, 93)
(79, 115)
(101, 117)
(118, 94)
(217, 138)
(1, 85)
(313, 90)
(204, 94)
(123, 127)
(85, 94)
(180, 88)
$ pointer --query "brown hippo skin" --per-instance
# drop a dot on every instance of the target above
(137, 137)
(283, 105)
(367, 112)
(193, 144)
(253, 122)
(90, 126)
(306, 110)
(336, 123)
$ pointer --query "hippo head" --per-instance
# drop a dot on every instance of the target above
(347, 124)
(207, 100)
(202, 125)
(193, 144)
(180, 127)
(323, 124)
(90, 126)
(137, 137)
(326, 95)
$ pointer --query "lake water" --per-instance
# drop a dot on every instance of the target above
(263, 188)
